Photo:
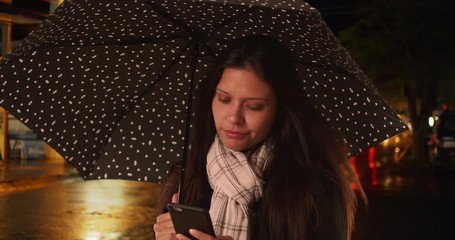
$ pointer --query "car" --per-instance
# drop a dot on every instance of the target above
(442, 147)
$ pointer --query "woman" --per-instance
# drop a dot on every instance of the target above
(262, 160)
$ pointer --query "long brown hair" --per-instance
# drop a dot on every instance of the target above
(306, 151)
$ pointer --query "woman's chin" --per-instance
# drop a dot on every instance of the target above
(235, 144)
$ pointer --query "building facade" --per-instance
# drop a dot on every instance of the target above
(17, 19)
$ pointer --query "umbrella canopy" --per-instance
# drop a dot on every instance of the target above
(109, 84)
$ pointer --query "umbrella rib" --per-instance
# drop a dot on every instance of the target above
(231, 20)
(116, 42)
(159, 78)
(205, 44)
(167, 16)
(316, 65)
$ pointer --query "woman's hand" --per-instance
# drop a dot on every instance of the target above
(164, 228)
(201, 236)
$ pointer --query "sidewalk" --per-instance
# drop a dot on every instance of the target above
(16, 175)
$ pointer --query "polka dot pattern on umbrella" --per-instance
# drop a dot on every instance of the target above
(107, 82)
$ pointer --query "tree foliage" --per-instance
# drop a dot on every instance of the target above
(409, 46)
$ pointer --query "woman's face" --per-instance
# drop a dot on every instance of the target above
(244, 108)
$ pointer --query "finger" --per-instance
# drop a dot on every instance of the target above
(182, 237)
(164, 224)
(166, 236)
(163, 231)
(175, 198)
(163, 228)
(163, 217)
(200, 235)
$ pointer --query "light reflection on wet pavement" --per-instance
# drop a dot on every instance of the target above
(91, 210)
(403, 178)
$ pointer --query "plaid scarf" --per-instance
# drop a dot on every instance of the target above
(237, 182)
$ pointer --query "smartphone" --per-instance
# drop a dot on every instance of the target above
(186, 217)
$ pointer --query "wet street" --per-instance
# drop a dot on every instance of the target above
(406, 204)
(406, 201)
(74, 209)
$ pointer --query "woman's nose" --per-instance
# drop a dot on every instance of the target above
(235, 115)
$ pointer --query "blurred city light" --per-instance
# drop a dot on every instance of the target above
(431, 121)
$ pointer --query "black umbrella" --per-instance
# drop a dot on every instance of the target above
(109, 84)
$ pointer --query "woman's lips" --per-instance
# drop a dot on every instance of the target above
(234, 134)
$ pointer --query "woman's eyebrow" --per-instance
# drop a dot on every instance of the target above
(247, 98)
(222, 91)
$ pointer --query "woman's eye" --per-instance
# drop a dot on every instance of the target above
(224, 100)
(255, 107)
